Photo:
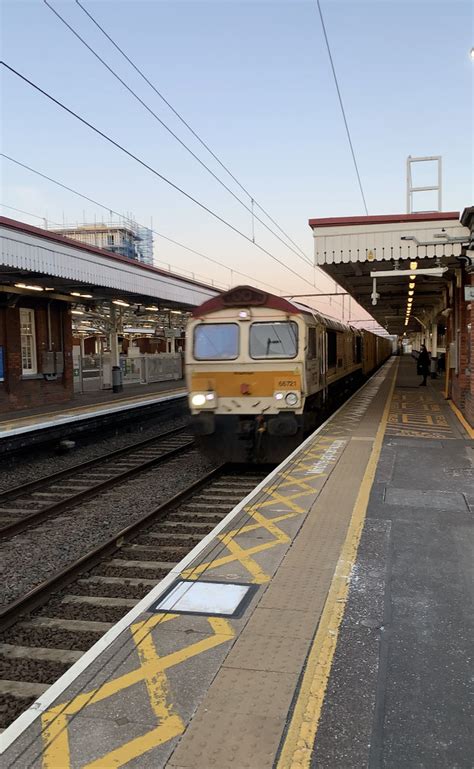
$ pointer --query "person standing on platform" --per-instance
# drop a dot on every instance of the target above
(423, 365)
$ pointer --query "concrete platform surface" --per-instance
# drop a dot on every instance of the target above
(338, 657)
(87, 405)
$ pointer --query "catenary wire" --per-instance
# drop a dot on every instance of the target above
(152, 170)
(187, 125)
(118, 213)
(170, 131)
(342, 106)
(29, 213)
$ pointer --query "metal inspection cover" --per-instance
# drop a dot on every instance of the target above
(221, 599)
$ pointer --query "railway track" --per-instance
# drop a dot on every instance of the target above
(31, 503)
(46, 631)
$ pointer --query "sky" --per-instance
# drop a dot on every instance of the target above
(254, 80)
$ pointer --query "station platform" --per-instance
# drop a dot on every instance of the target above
(323, 623)
(88, 405)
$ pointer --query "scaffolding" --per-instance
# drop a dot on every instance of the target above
(135, 241)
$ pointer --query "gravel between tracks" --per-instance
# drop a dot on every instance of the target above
(33, 556)
(25, 469)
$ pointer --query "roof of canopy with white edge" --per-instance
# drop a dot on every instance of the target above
(374, 258)
(31, 256)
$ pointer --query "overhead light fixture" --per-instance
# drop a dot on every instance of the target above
(412, 277)
(77, 312)
(120, 303)
(410, 293)
(152, 309)
(50, 289)
(175, 312)
(27, 285)
(413, 265)
(411, 285)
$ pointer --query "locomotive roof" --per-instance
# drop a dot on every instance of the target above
(247, 296)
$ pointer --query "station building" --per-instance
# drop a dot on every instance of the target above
(66, 305)
(414, 273)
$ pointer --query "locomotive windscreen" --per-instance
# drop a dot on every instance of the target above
(216, 341)
(274, 340)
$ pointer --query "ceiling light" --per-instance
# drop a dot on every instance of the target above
(412, 277)
(152, 309)
(413, 265)
(77, 312)
(410, 293)
(175, 312)
(26, 285)
(50, 289)
(120, 303)
(411, 285)
(75, 293)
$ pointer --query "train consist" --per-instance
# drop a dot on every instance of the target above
(262, 371)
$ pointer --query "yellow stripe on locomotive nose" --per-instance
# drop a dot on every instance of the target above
(228, 384)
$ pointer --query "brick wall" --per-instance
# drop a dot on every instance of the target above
(462, 324)
(18, 392)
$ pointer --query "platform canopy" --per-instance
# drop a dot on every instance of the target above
(352, 250)
(34, 257)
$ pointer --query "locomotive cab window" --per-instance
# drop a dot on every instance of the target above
(216, 341)
(312, 345)
(274, 340)
(332, 348)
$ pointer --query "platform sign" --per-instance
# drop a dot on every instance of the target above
(469, 293)
(2, 371)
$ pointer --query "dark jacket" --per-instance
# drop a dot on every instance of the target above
(423, 362)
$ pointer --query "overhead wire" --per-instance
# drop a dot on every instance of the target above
(123, 216)
(342, 106)
(186, 124)
(152, 170)
(170, 131)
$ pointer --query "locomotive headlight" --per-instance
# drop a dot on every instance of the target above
(291, 399)
(198, 400)
(279, 396)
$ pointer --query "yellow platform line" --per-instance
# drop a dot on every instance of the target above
(301, 735)
(92, 407)
(462, 419)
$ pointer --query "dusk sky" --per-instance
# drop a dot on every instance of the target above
(254, 80)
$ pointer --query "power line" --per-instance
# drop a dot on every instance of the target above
(28, 213)
(167, 128)
(152, 170)
(342, 106)
(117, 213)
(185, 123)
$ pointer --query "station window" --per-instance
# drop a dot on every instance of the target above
(312, 345)
(28, 342)
(274, 340)
(216, 341)
(110, 240)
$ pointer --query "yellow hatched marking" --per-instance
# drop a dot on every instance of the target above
(244, 555)
(151, 672)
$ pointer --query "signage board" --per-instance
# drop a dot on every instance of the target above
(469, 293)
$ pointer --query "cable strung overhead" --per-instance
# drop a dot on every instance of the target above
(342, 106)
(187, 125)
(250, 208)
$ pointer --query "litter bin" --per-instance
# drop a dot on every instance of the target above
(117, 380)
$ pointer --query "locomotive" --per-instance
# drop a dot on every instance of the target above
(262, 372)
